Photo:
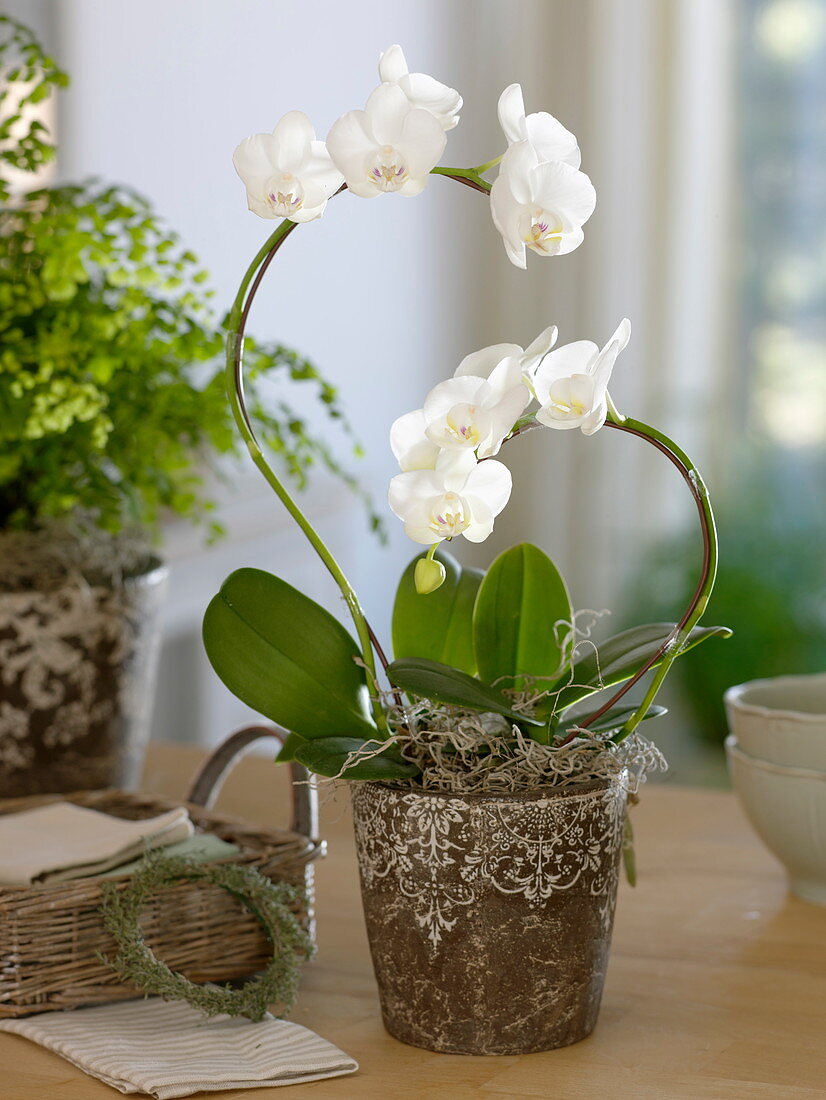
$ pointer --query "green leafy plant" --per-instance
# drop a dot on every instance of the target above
(29, 77)
(112, 401)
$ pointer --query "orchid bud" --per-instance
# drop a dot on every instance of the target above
(428, 576)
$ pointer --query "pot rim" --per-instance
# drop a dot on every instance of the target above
(733, 698)
(587, 787)
(156, 571)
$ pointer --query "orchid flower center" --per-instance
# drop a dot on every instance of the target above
(449, 516)
(544, 232)
(573, 397)
(462, 423)
(389, 172)
(285, 194)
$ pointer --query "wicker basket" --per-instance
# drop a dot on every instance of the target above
(49, 935)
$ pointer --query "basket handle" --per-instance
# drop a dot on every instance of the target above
(211, 775)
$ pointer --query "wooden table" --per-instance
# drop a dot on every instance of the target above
(716, 987)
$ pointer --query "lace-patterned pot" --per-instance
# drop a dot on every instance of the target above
(77, 673)
(490, 916)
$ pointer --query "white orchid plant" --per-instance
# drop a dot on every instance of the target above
(496, 659)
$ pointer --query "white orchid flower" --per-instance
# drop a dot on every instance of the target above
(472, 413)
(435, 505)
(287, 174)
(421, 90)
(545, 133)
(539, 205)
(482, 363)
(571, 382)
(389, 146)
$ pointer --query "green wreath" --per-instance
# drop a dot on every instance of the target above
(276, 985)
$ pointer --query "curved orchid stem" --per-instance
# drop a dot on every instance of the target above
(236, 326)
(673, 645)
(468, 176)
(480, 169)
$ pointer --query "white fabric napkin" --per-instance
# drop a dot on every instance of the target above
(168, 1049)
(61, 841)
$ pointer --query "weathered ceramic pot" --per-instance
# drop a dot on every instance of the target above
(490, 916)
(77, 671)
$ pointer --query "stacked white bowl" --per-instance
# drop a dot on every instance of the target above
(777, 759)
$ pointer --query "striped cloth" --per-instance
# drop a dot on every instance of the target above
(167, 1049)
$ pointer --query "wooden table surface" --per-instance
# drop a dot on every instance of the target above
(716, 986)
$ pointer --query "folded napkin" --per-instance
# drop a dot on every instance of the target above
(200, 848)
(61, 841)
(167, 1049)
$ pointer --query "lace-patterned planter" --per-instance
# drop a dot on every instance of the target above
(489, 916)
(77, 672)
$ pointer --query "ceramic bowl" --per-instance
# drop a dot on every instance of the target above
(787, 807)
(782, 720)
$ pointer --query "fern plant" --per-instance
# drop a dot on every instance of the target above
(112, 401)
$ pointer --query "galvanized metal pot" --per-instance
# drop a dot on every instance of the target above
(77, 673)
(490, 916)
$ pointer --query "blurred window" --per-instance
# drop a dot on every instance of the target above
(782, 197)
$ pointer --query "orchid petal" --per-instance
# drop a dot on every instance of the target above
(570, 240)
(410, 445)
(562, 362)
(430, 95)
(253, 157)
(351, 147)
(551, 140)
(452, 392)
(515, 171)
(543, 343)
(503, 418)
(386, 110)
(481, 363)
(511, 110)
(291, 139)
(506, 213)
(481, 524)
(422, 141)
(505, 377)
(422, 91)
(491, 483)
(454, 467)
(564, 190)
(392, 65)
(408, 488)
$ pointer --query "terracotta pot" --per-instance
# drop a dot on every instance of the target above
(77, 673)
(489, 916)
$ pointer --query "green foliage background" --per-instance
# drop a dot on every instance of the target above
(112, 397)
(770, 589)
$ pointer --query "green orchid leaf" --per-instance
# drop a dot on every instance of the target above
(328, 755)
(629, 860)
(286, 657)
(518, 605)
(619, 658)
(613, 719)
(438, 626)
(442, 684)
(287, 750)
